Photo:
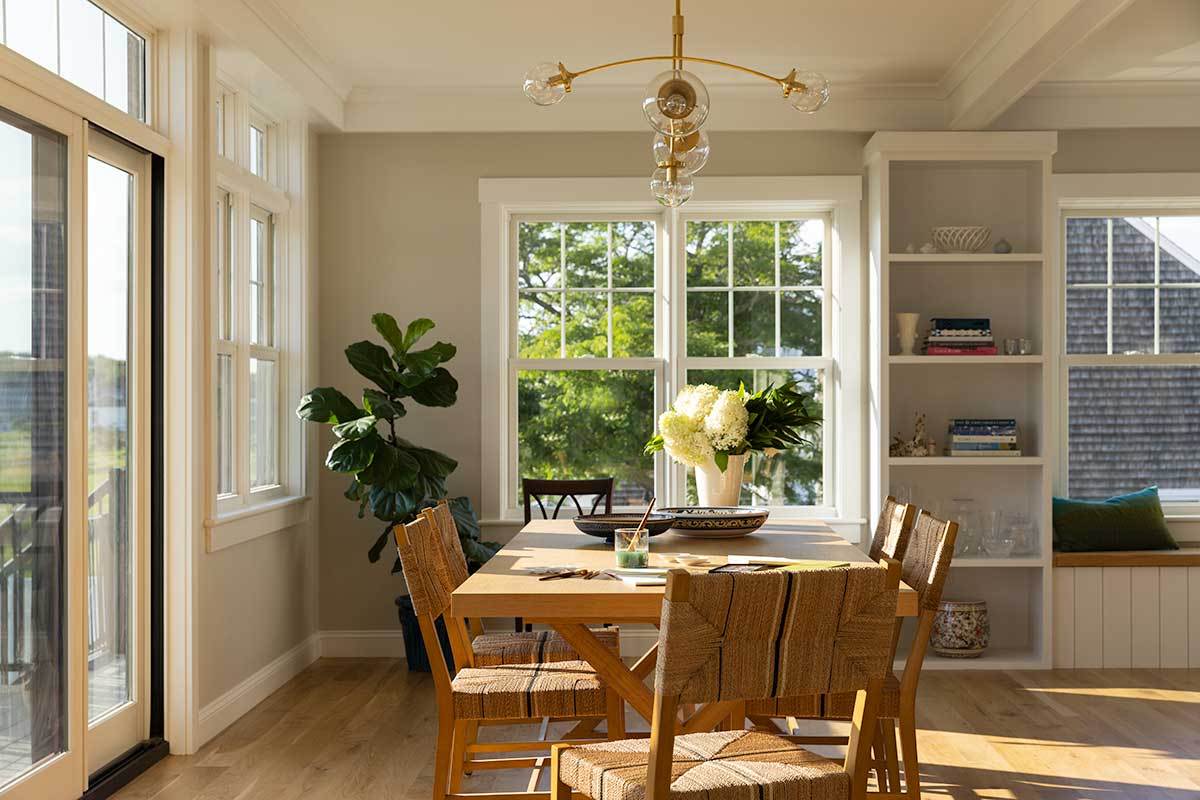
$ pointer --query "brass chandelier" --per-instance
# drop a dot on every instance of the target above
(675, 103)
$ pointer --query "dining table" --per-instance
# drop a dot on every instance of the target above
(510, 585)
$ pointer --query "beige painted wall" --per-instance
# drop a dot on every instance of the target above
(259, 599)
(399, 229)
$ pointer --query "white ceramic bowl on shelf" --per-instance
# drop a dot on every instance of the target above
(961, 238)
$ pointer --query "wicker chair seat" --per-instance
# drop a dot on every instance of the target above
(839, 705)
(527, 691)
(533, 647)
(723, 765)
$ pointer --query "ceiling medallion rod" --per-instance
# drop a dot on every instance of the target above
(676, 106)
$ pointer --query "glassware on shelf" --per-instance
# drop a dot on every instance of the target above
(997, 538)
(1020, 527)
(965, 511)
(902, 492)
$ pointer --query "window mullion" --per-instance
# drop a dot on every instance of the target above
(1109, 291)
(729, 280)
(1157, 282)
(562, 288)
(610, 288)
(778, 298)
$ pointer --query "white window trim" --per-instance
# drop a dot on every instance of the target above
(1118, 194)
(250, 513)
(770, 197)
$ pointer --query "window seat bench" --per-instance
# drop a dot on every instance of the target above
(1127, 609)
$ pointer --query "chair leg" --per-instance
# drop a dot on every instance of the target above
(616, 716)
(887, 740)
(558, 789)
(458, 756)
(471, 738)
(518, 624)
(441, 761)
(908, 751)
(877, 759)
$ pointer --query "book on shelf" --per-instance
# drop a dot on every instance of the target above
(964, 422)
(946, 350)
(984, 438)
(972, 324)
(982, 447)
(984, 453)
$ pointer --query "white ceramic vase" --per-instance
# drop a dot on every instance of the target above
(717, 488)
(906, 324)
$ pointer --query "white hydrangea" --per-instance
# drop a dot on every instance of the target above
(727, 422)
(684, 438)
(694, 402)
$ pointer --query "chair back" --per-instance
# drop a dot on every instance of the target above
(443, 521)
(926, 562)
(893, 530)
(534, 489)
(430, 582)
(775, 633)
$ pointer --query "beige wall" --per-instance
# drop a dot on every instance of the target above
(399, 229)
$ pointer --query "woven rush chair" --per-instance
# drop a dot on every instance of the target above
(493, 649)
(925, 568)
(728, 638)
(510, 694)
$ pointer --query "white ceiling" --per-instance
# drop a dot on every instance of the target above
(373, 43)
(1152, 40)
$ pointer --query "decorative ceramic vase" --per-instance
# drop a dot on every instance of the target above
(960, 629)
(906, 323)
(717, 488)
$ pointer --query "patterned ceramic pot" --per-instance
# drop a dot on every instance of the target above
(960, 629)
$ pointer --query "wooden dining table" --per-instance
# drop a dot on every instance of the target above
(508, 585)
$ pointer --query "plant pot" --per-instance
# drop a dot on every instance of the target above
(414, 645)
(715, 488)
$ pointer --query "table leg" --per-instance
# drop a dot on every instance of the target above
(609, 667)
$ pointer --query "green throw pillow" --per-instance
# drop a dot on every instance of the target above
(1126, 522)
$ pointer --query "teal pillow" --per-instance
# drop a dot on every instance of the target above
(1126, 522)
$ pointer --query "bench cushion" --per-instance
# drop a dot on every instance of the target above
(1126, 522)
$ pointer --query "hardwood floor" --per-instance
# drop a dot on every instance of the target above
(363, 728)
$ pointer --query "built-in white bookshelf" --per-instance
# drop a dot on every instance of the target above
(917, 181)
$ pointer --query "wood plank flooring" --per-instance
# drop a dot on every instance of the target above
(364, 728)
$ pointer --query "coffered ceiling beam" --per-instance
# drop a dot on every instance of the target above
(1025, 40)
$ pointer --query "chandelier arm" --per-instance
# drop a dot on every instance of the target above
(782, 82)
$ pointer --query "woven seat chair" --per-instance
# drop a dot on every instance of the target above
(494, 649)
(925, 567)
(506, 694)
(727, 638)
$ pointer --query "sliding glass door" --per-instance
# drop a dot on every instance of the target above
(75, 450)
(39, 607)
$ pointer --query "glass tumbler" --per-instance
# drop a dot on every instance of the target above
(631, 547)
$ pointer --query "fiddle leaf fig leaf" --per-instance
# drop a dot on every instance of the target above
(373, 363)
(382, 406)
(352, 455)
(416, 329)
(355, 428)
(326, 404)
(440, 390)
(390, 331)
(422, 362)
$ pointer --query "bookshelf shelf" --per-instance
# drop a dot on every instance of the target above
(967, 461)
(999, 179)
(949, 360)
(966, 258)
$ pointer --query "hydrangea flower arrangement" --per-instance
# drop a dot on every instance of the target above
(707, 425)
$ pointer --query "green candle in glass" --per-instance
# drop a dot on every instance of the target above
(632, 547)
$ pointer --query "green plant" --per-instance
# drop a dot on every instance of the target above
(391, 476)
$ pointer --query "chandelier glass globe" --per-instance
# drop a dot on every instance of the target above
(675, 103)
(690, 152)
(814, 93)
(539, 87)
(672, 186)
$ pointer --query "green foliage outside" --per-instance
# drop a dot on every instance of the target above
(588, 423)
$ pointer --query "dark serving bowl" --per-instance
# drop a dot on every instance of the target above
(605, 525)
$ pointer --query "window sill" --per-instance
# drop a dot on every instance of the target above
(264, 519)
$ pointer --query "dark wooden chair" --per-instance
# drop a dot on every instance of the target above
(533, 490)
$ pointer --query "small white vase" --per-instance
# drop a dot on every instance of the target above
(906, 324)
(717, 488)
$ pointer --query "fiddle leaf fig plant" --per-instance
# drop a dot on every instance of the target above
(392, 477)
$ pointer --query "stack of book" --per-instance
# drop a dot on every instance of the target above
(983, 437)
(960, 336)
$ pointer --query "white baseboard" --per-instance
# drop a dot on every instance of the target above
(229, 707)
(362, 644)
